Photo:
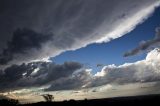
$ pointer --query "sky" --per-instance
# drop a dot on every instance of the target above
(82, 48)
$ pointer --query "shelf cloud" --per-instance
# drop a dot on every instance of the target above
(34, 30)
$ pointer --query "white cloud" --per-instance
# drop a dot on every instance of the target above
(146, 70)
(102, 72)
(35, 71)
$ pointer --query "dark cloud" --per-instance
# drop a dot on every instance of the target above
(23, 41)
(60, 71)
(35, 74)
(76, 81)
(146, 45)
(75, 24)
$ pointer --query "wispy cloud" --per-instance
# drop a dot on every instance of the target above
(145, 45)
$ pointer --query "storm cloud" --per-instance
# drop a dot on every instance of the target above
(60, 25)
(76, 81)
(35, 74)
(23, 42)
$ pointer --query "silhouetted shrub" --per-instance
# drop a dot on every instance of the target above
(48, 97)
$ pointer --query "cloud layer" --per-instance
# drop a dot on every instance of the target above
(146, 70)
(58, 25)
(72, 75)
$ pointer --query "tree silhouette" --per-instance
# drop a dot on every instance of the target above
(48, 97)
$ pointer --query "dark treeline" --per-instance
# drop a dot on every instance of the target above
(151, 100)
(4, 102)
